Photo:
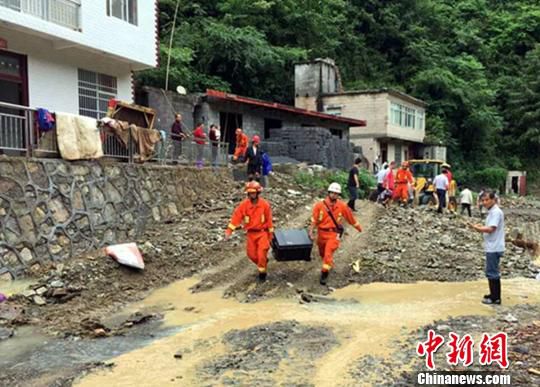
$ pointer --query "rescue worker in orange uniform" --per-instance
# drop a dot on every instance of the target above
(242, 142)
(256, 215)
(403, 178)
(328, 233)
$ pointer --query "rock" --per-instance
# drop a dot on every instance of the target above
(99, 332)
(443, 328)
(510, 318)
(6, 277)
(38, 300)
(57, 284)
(28, 293)
(26, 255)
(520, 349)
(59, 293)
(5, 333)
(41, 290)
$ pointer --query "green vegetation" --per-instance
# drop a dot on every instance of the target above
(475, 62)
(320, 181)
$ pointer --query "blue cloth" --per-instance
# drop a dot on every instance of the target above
(492, 265)
(45, 120)
(267, 164)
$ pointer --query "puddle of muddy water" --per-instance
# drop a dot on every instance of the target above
(35, 352)
(366, 320)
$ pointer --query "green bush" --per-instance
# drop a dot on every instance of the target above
(320, 181)
(493, 177)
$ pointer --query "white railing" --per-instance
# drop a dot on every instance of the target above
(62, 12)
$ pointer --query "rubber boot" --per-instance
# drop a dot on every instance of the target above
(495, 297)
(324, 277)
(262, 277)
(490, 283)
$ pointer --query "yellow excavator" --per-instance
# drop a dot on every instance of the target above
(424, 171)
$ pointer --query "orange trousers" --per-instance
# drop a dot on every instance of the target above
(239, 152)
(328, 242)
(401, 192)
(257, 248)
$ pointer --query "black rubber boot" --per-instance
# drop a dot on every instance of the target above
(495, 297)
(262, 277)
(324, 277)
(490, 283)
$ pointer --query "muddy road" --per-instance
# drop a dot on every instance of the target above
(197, 317)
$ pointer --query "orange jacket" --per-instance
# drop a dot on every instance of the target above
(255, 217)
(242, 140)
(340, 210)
(404, 176)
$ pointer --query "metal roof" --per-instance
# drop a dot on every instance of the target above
(286, 108)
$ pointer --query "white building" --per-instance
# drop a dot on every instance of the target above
(74, 55)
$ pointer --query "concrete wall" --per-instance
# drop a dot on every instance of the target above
(99, 33)
(166, 107)
(52, 209)
(53, 76)
(311, 80)
(311, 145)
(370, 107)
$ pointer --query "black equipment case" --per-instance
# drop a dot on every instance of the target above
(292, 245)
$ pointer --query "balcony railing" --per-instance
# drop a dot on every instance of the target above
(21, 136)
(61, 12)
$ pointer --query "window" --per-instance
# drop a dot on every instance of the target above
(395, 114)
(334, 110)
(406, 117)
(95, 91)
(420, 120)
(397, 153)
(123, 9)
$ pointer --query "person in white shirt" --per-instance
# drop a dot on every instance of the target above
(493, 232)
(466, 199)
(380, 178)
(441, 186)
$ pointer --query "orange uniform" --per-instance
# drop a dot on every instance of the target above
(327, 234)
(257, 220)
(242, 142)
(403, 178)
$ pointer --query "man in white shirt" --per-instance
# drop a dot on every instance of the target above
(493, 232)
(441, 186)
(466, 199)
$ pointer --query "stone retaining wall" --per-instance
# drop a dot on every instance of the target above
(52, 209)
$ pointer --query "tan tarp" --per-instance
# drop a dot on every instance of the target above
(78, 137)
(145, 139)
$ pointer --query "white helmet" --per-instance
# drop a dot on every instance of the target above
(334, 187)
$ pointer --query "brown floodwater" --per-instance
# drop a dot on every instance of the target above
(366, 319)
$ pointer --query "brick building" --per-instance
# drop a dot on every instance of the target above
(395, 128)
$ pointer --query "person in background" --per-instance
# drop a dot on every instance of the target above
(353, 183)
(177, 136)
(479, 203)
(380, 178)
(494, 245)
(200, 140)
(242, 142)
(266, 168)
(214, 136)
(466, 200)
(404, 178)
(254, 160)
(441, 185)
